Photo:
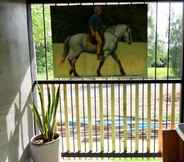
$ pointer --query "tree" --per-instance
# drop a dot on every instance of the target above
(176, 45)
(161, 57)
(38, 37)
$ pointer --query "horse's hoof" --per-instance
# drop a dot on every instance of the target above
(70, 73)
(98, 73)
(122, 73)
(76, 75)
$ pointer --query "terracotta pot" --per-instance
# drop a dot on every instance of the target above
(47, 152)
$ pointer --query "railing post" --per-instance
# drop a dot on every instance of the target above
(101, 118)
(113, 118)
(125, 117)
(137, 117)
(182, 84)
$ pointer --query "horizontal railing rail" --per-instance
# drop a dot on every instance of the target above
(108, 81)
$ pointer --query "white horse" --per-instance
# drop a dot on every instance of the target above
(78, 43)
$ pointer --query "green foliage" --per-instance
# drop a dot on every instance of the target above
(161, 51)
(176, 46)
(38, 37)
(46, 120)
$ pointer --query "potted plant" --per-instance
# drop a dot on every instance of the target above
(45, 146)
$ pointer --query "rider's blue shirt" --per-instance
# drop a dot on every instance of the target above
(96, 22)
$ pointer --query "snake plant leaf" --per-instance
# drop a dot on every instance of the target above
(55, 108)
(49, 98)
(51, 107)
(42, 105)
(48, 109)
(38, 119)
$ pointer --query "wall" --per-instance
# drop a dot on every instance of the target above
(15, 82)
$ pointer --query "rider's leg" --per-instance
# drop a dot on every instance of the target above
(99, 45)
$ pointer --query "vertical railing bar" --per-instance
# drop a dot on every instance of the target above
(77, 116)
(45, 41)
(101, 118)
(61, 121)
(168, 45)
(168, 53)
(137, 117)
(107, 100)
(72, 113)
(156, 28)
(131, 117)
(95, 116)
(142, 119)
(182, 75)
(131, 123)
(84, 117)
(173, 106)
(160, 118)
(89, 117)
(125, 116)
(31, 60)
(154, 118)
(156, 45)
(66, 117)
(113, 117)
(119, 111)
(148, 117)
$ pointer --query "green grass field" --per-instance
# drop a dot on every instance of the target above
(133, 59)
(160, 72)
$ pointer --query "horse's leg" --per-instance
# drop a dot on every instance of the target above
(115, 57)
(71, 70)
(72, 58)
(100, 66)
(74, 69)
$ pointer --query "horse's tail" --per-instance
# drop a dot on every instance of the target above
(66, 48)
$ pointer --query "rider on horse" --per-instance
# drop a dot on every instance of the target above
(96, 28)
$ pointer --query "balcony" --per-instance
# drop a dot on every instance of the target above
(114, 118)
